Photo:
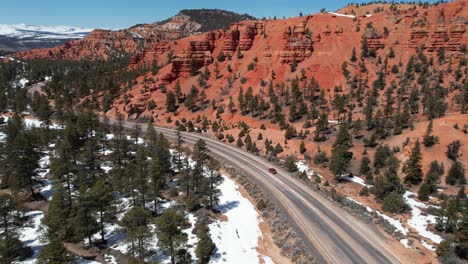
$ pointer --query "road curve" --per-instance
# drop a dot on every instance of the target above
(331, 233)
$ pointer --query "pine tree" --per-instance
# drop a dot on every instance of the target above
(213, 182)
(290, 163)
(456, 174)
(83, 222)
(171, 238)
(64, 168)
(57, 218)
(205, 245)
(177, 90)
(429, 140)
(136, 226)
(171, 102)
(22, 158)
(11, 248)
(413, 167)
(141, 175)
(200, 155)
(302, 148)
(353, 55)
(54, 252)
(102, 198)
(388, 182)
(341, 156)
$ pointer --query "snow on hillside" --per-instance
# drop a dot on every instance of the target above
(31, 234)
(22, 31)
(236, 238)
(420, 221)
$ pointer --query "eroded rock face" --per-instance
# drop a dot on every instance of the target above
(231, 40)
(197, 55)
(298, 44)
(247, 37)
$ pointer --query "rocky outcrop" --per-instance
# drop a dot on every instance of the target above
(197, 55)
(247, 37)
(373, 38)
(230, 42)
(298, 44)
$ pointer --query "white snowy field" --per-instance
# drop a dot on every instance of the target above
(43, 32)
(237, 238)
(30, 235)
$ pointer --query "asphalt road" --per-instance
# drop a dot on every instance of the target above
(332, 234)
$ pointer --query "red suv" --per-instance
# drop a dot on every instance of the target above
(272, 171)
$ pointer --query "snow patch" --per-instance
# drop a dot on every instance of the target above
(355, 179)
(419, 221)
(405, 243)
(237, 238)
(30, 235)
(341, 15)
(395, 222)
(303, 167)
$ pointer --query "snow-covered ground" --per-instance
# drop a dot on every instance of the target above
(303, 167)
(43, 32)
(31, 122)
(30, 235)
(342, 15)
(237, 238)
(395, 222)
(345, 15)
(355, 179)
(420, 221)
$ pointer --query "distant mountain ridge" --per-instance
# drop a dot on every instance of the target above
(104, 43)
(23, 37)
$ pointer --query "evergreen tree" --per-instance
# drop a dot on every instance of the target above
(171, 102)
(54, 253)
(200, 155)
(136, 226)
(205, 245)
(57, 218)
(102, 198)
(11, 248)
(413, 167)
(22, 158)
(456, 174)
(83, 222)
(353, 55)
(340, 154)
(388, 182)
(213, 182)
(302, 148)
(453, 149)
(429, 140)
(290, 163)
(171, 238)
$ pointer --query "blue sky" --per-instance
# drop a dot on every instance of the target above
(125, 13)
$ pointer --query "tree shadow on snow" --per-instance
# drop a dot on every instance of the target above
(224, 208)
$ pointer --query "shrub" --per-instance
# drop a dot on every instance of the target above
(290, 163)
(320, 158)
(452, 150)
(364, 191)
(394, 203)
(261, 205)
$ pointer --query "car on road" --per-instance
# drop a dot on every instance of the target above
(272, 171)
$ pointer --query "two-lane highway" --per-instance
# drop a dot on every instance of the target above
(332, 234)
